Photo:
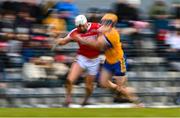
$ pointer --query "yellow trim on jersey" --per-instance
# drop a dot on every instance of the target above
(123, 65)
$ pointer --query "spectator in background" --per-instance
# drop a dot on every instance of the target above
(176, 10)
(173, 41)
(24, 19)
(124, 11)
(159, 14)
(8, 21)
(56, 23)
(30, 50)
(48, 6)
(37, 45)
(69, 6)
(127, 12)
(120, 9)
(4, 60)
(158, 8)
(8, 34)
(7, 26)
(176, 22)
(70, 10)
(23, 24)
(94, 15)
(30, 6)
(9, 5)
(35, 10)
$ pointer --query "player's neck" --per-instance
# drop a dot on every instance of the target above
(109, 30)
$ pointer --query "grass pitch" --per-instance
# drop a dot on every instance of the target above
(89, 112)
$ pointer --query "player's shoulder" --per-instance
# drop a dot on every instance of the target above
(73, 31)
(115, 31)
(113, 34)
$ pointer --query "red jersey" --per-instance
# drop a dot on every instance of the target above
(91, 34)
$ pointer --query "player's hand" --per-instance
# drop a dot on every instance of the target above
(103, 29)
(57, 41)
(55, 44)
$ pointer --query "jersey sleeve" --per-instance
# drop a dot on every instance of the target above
(70, 34)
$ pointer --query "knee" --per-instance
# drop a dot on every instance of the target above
(89, 88)
(69, 81)
(104, 85)
(121, 89)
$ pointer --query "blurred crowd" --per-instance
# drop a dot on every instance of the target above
(27, 29)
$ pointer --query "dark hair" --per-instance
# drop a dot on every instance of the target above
(178, 29)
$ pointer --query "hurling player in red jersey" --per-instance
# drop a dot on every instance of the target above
(87, 57)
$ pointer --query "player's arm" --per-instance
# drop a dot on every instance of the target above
(100, 43)
(63, 41)
(72, 35)
(60, 41)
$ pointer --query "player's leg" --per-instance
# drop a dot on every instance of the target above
(122, 88)
(106, 75)
(92, 66)
(121, 82)
(89, 81)
(119, 86)
(104, 79)
(73, 75)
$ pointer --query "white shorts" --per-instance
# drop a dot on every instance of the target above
(91, 66)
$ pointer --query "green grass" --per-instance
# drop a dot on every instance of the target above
(91, 112)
